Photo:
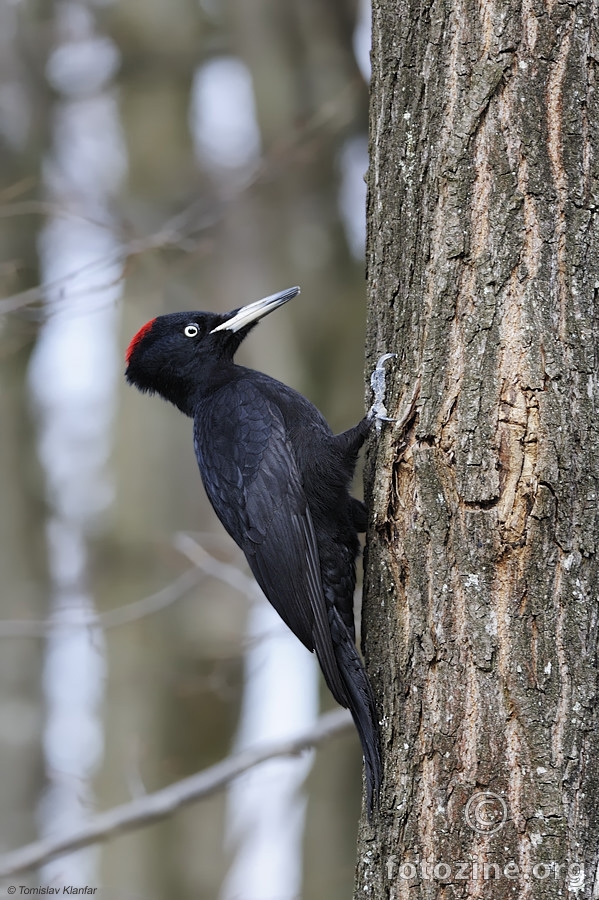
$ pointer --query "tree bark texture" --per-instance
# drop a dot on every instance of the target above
(482, 577)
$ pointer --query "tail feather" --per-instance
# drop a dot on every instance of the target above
(359, 698)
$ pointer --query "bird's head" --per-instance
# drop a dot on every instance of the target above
(182, 355)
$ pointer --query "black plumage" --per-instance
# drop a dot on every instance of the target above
(278, 479)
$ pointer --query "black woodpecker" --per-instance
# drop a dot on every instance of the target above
(278, 479)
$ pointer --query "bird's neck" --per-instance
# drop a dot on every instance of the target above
(208, 382)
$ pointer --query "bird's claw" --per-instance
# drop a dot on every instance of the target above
(378, 410)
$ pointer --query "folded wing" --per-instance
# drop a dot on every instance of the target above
(252, 479)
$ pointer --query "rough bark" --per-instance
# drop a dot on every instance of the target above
(481, 587)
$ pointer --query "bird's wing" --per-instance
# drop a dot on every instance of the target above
(253, 481)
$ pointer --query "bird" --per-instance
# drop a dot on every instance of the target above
(278, 479)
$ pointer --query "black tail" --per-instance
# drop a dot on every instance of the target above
(360, 701)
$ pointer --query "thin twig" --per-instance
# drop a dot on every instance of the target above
(162, 804)
(135, 247)
(224, 572)
(172, 233)
(131, 612)
(204, 565)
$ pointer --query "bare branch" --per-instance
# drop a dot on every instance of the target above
(111, 619)
(224, 572)
(164, 803)
(134, 248)
(204, 565)
(133, 612)
(190, 221)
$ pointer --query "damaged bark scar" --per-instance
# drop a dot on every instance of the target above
(518, 443)
(399, 481)
(396, 453)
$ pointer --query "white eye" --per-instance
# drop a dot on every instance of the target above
(191, 330)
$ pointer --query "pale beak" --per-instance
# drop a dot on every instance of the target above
(256, 311)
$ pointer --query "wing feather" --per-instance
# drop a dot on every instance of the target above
(253, 481)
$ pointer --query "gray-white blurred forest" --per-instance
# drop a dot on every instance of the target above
(158, 155)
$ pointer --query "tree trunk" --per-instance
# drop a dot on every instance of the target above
(481, 583)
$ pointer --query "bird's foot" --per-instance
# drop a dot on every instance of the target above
(378, 410)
